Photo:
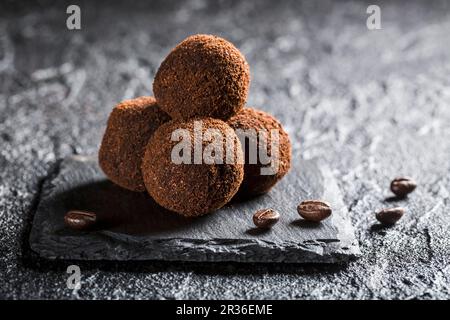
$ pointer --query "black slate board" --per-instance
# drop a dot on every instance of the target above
(134, 227)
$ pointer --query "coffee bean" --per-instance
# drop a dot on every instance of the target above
(265, 218)
(402, 186)
(80, 220)
(314, 210)
(390, 216)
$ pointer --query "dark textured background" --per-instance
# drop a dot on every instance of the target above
(373, 104)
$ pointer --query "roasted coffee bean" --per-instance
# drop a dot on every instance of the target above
(314, 210)
(265, 218)
(402, 186)
(390, 216)
(80, 220)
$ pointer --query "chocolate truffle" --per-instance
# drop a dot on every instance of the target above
(130, 126)
(263, 167)
(193, 167)
(203, 76)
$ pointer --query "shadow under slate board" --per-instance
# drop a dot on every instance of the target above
(133, 227)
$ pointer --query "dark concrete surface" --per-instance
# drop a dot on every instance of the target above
(132, 226)
(372, 104)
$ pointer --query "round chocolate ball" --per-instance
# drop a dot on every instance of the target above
(193, 167)
(264, 166)
(203, 76)
(130, 126)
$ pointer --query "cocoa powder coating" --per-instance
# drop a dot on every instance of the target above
(187, 188)
(250, 119)
(130, 126)
(203, 76)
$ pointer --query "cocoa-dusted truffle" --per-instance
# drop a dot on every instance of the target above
(254, 130)
(203, 76)
(130, 126)
(193, 167)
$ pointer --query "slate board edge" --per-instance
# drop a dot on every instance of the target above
(190, 250)
(182, 250)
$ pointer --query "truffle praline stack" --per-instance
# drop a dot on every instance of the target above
(187, 188)
(251, 120)
(130, 126)
(204, 80)
(203, 76)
